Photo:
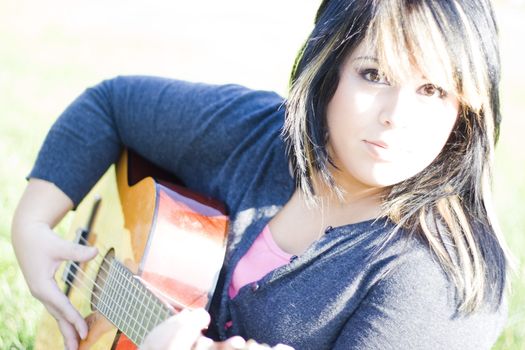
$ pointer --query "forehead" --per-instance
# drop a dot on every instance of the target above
(365, 55)
(400, 62)
(438, 40)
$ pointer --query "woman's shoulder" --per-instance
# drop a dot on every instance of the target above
(413, 284)
(206, 92)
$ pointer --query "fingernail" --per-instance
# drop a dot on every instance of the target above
(204, 343)
(82, 332)
(237, 342)
(202, 315)
(283, 347)
(201, 311)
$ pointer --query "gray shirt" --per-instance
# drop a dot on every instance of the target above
(224, 141)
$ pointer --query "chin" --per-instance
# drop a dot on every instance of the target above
(384, 179)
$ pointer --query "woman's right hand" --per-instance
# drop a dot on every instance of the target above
(40, 251)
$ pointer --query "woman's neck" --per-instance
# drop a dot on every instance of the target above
(356, 203)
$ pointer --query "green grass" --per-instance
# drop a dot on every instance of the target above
(45, 61)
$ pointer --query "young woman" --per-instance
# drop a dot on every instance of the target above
(360, 209)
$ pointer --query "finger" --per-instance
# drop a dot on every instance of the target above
(204, 343)
(62, 309)
(76, 252)
(253, 345)
(282, 347)
(160, 336)
(69, 334)
(67, 330)
(72, 315)
(233, 343)
(178, 332)
(189, 327)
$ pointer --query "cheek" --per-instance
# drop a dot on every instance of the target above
(419, 142)
(424, 141)
(350, 113)
(421, 150)
(429, 136)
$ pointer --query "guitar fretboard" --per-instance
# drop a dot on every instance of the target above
(128, 304)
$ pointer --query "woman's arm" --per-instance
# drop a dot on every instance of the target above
(40, 252)
(198, 132)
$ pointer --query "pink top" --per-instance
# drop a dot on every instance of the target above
(263, 256)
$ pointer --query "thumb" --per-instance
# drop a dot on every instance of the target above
(77, 252)
(190, 325)
(201, 317)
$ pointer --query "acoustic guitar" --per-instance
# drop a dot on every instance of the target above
(160, 246)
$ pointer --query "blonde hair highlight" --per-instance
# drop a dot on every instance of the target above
(405, 35)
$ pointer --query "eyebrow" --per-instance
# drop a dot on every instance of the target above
(366, 58)
(372, 58)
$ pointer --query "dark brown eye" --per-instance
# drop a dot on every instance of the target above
(374, 76)
(432, 90)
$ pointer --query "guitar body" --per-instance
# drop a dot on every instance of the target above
(170, 239)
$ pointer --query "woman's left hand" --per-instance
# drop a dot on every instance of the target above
(184, 332)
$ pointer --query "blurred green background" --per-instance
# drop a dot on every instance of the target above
(51, 51)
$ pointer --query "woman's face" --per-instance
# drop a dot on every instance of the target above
(381, 134)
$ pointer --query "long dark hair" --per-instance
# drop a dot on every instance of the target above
(448, 204)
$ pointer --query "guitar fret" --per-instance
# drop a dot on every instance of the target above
(134, 325)
(111, 307)
(110, 290)
(151, 310)
(155, 311)
(119, 309)
(140, 298)
(144, 311)
(104, 300)
(114, 294)
(129, 305)
(130, 322)
(140, 312)
(100, 301)
(148, 312)
(126, 317)
(145, 314)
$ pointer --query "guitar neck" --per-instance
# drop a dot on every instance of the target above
(128, 304)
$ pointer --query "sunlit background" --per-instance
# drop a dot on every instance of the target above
(50, 51)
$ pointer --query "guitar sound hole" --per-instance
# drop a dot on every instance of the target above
(100, 280)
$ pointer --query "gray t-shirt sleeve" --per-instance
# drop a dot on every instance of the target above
(195, 131)
(413, 307)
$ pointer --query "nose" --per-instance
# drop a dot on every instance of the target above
(398, 107)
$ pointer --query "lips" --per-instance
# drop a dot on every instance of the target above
(377, 143)
(379, 150)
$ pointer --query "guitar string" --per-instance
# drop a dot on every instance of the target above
(86, 292)
(135, 296)
(171, 302)
(147, 310)
(168, 299)
(112, 288)
(129, 332)
(91, 269)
